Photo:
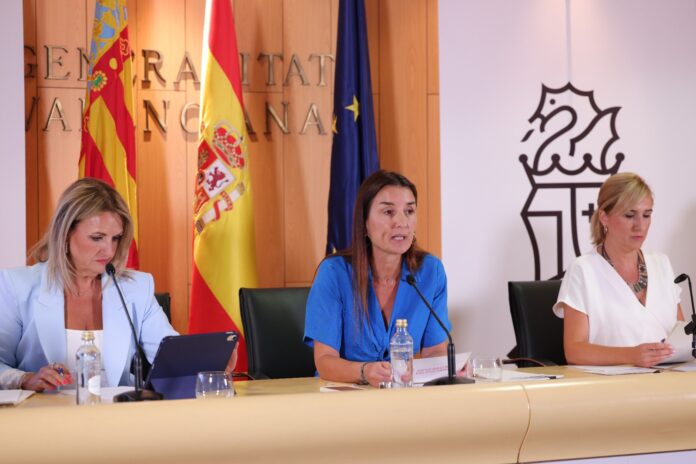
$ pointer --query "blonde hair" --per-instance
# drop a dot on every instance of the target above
(84, 198)
(620, 192)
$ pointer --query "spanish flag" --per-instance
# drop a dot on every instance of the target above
(223, 244)
(108, 130)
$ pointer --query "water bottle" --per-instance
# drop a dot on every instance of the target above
(88, 367)
(401, 354)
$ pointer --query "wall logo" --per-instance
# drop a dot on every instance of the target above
(570, 143)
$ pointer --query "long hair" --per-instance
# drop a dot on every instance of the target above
(620, 192)
(84, 198)
(360, 252)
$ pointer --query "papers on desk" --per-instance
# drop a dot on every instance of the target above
(427, 369)
(512, 375)
(681, 343)
(616, 370)
(686, 367)
(14, 397)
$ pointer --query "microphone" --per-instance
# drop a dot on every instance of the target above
(451, 377)
(139, 394)
(690, 328)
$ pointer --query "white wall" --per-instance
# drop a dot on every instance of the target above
(12, 154)
(639, 55)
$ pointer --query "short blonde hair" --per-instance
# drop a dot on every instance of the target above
(620, 192)
(84, 198)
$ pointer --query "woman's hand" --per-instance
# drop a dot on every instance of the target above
(649, 354)
(377, 372)
(232, 363)
(48, 378)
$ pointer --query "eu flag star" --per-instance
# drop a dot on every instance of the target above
(355, 108)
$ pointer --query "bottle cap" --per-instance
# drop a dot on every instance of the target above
(402, 323)
(87, 336)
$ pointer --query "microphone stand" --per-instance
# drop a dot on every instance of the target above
(690, 328)
(451, 378)
(139, 394)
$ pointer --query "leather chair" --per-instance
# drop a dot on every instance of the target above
(274, 321)
(165, 301)
(538, 331)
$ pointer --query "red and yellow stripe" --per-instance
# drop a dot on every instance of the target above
(108, 129)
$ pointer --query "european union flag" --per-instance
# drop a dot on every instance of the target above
(354, 149)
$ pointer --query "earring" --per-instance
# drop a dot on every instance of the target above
(606, 229)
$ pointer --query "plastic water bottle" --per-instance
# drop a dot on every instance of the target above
(401, 354)
(88, 368)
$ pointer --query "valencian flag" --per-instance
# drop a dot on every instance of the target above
(223, 244)
(108, 130)
(354, 148)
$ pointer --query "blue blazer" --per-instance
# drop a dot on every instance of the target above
(32, 322)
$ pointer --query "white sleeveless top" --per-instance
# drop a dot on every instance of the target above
(616, 317)
(74, 341)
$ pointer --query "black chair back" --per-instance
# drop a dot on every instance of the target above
(538, 331)
(274, 321)
(165, 301)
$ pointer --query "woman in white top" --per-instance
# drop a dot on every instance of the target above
(618, 302)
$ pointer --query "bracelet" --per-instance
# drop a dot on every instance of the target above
(363, 380)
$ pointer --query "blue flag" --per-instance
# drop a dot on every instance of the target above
(354, 148)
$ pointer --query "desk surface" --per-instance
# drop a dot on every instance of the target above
(578, 416)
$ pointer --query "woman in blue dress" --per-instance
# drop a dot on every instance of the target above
(359, 293)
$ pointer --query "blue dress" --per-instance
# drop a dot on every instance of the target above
(331, 317)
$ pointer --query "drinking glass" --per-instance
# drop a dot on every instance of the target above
(487, 369)
(214, 384)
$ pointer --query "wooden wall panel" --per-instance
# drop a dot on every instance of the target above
(373, 33)
(268, 187)
(260, 29)
(60, 24)
(259, 25)
(403, 102)
(433, 65)
(58, 147)
(31, 122)
(290, 172)
(162, 185)
(160, 27)
(306, 157)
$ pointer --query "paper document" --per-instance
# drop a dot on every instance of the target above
(616, 370)
(512, 375)
(14, 397)
(686, 367)
(681, 343)
(427, 369)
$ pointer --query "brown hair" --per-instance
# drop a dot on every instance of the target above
(620, 192)
(84, 198)
(360, 252)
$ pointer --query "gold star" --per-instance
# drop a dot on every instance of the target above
(334, 120)
(355, 108)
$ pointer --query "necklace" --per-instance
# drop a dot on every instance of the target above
(642, 282)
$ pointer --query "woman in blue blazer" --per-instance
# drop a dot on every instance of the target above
(45, 307)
